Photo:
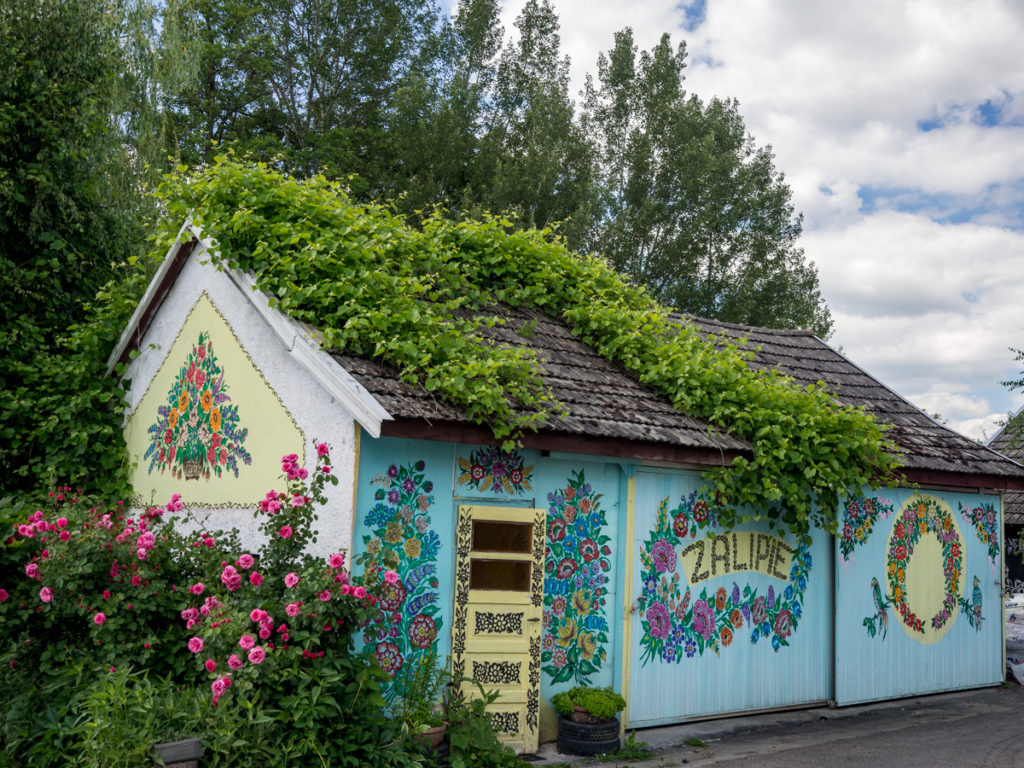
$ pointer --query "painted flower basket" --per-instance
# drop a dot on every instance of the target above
(179, 754)
(588, 722)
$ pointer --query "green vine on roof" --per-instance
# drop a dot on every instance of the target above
(376, 286)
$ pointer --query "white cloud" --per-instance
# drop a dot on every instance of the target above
(918, 235)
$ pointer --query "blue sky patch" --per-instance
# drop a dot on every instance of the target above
(694, 13)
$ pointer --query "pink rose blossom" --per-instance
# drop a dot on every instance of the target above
(198, 588)
(3, 595)
(99, 618)
(391, 577)
(46, 594)
(256, 655)
(265, 633)
(195, 644)
(291, 580)
(204, 609)
(211, 665)
(234, 662)
(136, 581)
(359, 592)
(286, 531)
(106, 594)
(62, 522)
(345, 589)
(32, 570)
(255, 578)
(218, 686)
(64, 535)
(336, 560)
(322, 449)
(231, 578)
(257, 614)
(245, 561)
(325, 595)
(326, 470)
(298, 500)
(247, 642)
(292, 609)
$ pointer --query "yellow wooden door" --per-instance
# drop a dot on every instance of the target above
(499, 586)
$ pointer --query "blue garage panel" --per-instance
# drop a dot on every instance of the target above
(739, 622)
(918, 589)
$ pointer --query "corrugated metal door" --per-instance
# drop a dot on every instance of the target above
(918, 590)
(739, 622)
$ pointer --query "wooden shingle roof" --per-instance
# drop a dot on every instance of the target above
(1009, 441)
(934, 454)
(608, 409)
(611, 413)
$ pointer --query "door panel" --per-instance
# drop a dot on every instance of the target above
(498, 599)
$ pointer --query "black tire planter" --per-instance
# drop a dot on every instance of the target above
(588, 738)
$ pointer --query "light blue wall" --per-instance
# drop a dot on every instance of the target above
(894, 662)
(737, 663)
(827, 654)
(542, 483)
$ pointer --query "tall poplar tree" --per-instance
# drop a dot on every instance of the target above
(691, 206)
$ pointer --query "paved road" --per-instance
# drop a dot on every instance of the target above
(971, 729)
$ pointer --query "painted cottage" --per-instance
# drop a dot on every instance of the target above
(584, 556)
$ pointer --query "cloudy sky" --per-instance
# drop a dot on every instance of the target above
(900, 127)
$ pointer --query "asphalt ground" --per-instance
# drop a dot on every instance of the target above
(982, 728)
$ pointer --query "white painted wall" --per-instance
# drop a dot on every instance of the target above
(320, 417)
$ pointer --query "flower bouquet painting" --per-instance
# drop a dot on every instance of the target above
(197, 431)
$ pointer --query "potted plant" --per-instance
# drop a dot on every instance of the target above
(421, 706)
(587, 722)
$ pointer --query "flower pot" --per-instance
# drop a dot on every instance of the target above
(192, 468)
(432, 737)
(180, 754)
(596, 738)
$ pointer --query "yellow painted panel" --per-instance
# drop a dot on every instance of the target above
(737, 552)
(921, 577)
(209, 427)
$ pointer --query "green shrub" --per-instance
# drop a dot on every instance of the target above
(601, 703)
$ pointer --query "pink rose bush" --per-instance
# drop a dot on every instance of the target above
(246, 631)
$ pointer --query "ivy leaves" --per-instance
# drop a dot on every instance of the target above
(417, 299)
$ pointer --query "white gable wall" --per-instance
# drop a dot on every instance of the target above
(317, 415)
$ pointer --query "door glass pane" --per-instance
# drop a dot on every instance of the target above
(508, 575)
(493, 536)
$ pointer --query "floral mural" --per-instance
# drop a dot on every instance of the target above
(403, 541)
(197, 433)
(678, 624)
(985, 522)
(576, 566)
(859, 517)
(492, 469)
(926, 514)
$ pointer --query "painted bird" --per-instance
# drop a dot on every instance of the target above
(880, 605)
(976, 601)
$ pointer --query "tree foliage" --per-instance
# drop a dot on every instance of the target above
(692, 207)
(80, 104)
(376, 286)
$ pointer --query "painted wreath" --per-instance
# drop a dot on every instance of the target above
(403, 540)
(576, 564)
(924, 515)
(677, 626)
